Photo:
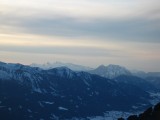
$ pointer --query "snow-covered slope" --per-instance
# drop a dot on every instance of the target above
(9, 70)
(110, 71)
(71, 66)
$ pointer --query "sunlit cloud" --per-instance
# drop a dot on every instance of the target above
(47, 41)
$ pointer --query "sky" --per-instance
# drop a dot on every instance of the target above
(85, 32)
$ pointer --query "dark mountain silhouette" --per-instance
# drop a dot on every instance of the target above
(152, 113)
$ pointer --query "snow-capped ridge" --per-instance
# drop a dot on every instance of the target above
(111, 71)
(62, 71)
(71, 66)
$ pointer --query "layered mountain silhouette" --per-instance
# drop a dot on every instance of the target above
(113, 71)
(60, 93)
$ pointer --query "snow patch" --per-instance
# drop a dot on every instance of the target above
(135, 107)
(37, 90)
(10, 109)
(86, 82)
(29, 110)
(42, 103)
(109, 115)
(46, 102)
(54, 117)
(62, 108)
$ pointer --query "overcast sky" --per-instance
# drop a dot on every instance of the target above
(86, 32)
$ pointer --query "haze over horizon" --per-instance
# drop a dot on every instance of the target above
(85, 32)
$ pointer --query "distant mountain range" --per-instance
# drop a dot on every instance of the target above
(71, 66)
(111, 71)
(60, 93)
(114, 71)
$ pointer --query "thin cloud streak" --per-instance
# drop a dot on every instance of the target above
(136, 29)
(81, 9)
(47, 41)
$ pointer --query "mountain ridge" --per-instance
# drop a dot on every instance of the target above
(64, 93)
(72, 66)
(34, 93)
(111, 71)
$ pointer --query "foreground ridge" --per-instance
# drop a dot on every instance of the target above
(150, 114)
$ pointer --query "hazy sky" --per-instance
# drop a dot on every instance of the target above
(87, 32)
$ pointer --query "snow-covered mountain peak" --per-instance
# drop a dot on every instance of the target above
(101, 67)
(17, 71)
(114, 66)
(111, 71)
(62, 71)
(117, 68)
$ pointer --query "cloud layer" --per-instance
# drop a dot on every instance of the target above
(106, 30)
